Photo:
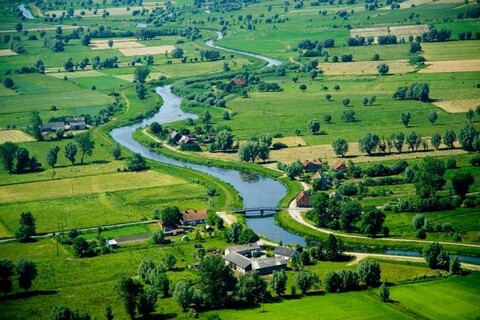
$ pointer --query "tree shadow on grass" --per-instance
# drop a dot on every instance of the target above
(162, 316)
(28, 294)
(99, 162)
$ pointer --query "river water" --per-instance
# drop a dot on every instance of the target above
(256, 190)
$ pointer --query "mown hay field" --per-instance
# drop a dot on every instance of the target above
(14, 136)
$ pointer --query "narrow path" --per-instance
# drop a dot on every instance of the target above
(90, 229)
(296, 214)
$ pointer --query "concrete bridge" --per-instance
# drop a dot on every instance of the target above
(261, 209)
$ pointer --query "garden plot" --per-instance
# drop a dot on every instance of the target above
(365, 67)
(409, 4)
(406, 31)
(458, 106)
(470, 65)
(369, 32)
(14, 136)
(140, 51)
(7, 52)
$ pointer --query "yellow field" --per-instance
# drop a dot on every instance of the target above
(130, 52)
(365, 67)
(399, 31)
(14, 136)
(458, 106)
(117, 44)
(113, 12)
(7, 52)
(469, 65)
(85, 185)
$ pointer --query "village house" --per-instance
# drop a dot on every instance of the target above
(324, 182)
(174, 136)
(53, 126)
(340, 166)
(311, 165)
(247, 250)
(194, 217)
(286, 253)
(303, 199)
(263, 265)
(238, 262)
(185, 139)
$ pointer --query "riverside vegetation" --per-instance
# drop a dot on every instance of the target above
(389, 87)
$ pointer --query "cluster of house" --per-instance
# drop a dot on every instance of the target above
(190, 218)
(249, 257)
(70, 123)
(304, 198)
(178, 139)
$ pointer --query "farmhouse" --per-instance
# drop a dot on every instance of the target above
(311, 165)
(340, 166)
(185, 139)
(324, 182)
(303, 199)
(247, 250)
(174, 136)
(53, 126)
(267, 265)
(238, 262)
(263, 265)
(286, 253)
(194, 217)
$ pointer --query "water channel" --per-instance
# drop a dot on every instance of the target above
(256, 190)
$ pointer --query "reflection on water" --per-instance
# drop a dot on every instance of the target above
(249, 177)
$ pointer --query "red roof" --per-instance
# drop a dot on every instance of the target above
(316, 175)
(340, 165)
(239, 82)
(308, 162)
(194, 215)
(303, 199)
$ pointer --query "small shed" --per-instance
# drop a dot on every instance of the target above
(340, 166)
(311, 165)
(111, 243)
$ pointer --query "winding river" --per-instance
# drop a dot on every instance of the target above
(256, 190)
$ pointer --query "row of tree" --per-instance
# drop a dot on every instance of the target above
(24, 269)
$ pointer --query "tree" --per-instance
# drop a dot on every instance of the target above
(470, 114)
(141, 73)
(350, 213)
(369, 272)
(333, 248)
(303, 87)
(69, 65)
(405, 116)
(183, 294)
(22, 158)
(432, 116)
(61, 312)
(146, 301)
(383, 69)
(415, 47)
(224, 140)
(8, 83)
(141, 91)
(263, 151)
(429, 177)
(455, 267)
(384, 292)
(413, 141)
(171, 216)
(52, 156)
(233, 234)
(110, 43)
(305, 280)
(136, 163)
(108, 313)
(128, 290)
(18, 27)
(71, 152)
(332, 282)
(398, 141)
(348, 116)
(436, 140)
(435, 257)
(27, 272)
(206, 117)
(346, 102)
(216, 280)
(177, 53)
(116, 151)
(449, 138)
(369, 143)
(461, 182)
(36, 123)
(327, 118)
(372, 221)
(248, 151)
(314, 126)
(6, 271)
(27, 227)
(466, 136)
(156, 128)
(169, 261)
(86, 144)
(418, 221)
(365, 101)
(7, 155)
(340, 147)
(251, 286)
(279, 282)
(158, 237)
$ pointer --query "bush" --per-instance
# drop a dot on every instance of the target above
(421, 234)
(451, 163)
(475, 161)
(279, 145)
